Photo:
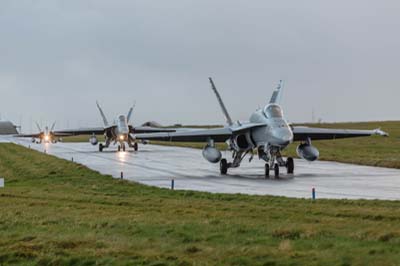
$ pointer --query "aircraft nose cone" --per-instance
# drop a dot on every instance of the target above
(282, 137)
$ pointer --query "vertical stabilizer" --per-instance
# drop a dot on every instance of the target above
(38, 127)
(276, 95)
(128, 118)
(53, 126)
(221, 103)
(102, 115)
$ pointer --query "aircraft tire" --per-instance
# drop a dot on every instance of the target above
(223, 166)
(290, 165)
(123, 148)
(119, 148)
(135, 146)
(266, 170)
(101, 147)
(276, 170)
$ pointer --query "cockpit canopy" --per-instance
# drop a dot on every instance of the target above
(121, 118)
(273, 111)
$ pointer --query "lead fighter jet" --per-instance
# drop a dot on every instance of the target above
(267, 133)
(120, 132)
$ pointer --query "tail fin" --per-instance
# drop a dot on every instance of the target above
(221, 103)
(53, 126)
(128, 118)
(38, 127)
(102, 115)
(276, 95)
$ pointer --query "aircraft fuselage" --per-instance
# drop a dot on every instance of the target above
(276, 132)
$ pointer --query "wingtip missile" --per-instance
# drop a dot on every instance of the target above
(380, 132)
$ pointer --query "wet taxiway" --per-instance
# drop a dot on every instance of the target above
(158, 165)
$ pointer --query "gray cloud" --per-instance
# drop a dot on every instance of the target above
(339, 58)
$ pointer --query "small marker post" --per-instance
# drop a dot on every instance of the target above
(122, 175)
(313, 193)
(72, 159)
(172, 184)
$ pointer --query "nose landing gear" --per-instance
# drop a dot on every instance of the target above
(289, 164)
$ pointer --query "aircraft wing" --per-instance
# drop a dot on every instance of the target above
(59, 134)
(216, 134)
(139, 130)
(303, 133)
(80, 131)
(27, 135)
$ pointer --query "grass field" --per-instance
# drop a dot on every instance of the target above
(374, 151)
(54, 212)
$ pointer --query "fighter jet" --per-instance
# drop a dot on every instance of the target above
(266, 134)
(120, 131)
(44, 136)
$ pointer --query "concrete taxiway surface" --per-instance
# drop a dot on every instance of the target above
(158, 165)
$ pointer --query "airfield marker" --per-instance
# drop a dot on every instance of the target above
(1, 182)
(313, 193)
(72, 159)
(172, 184)
(122, 175)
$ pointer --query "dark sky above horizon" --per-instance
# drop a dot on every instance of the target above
(338, 58)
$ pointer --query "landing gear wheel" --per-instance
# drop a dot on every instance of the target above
(119, 148)
(276, 170)
(266, 170)
(290, 165)
(135, 146)
(123, 148)
(101, 147)
(223, 166)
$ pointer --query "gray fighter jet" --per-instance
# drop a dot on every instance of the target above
(47, 135)
(267, 133)
(120, 132)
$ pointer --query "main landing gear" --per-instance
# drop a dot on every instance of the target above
(121, 147)
(289, 164)
(223, 167)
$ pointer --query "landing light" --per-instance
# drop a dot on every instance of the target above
(46, 138)
(121, 137)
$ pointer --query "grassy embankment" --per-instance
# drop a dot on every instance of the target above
(54, 212)
(374, 151)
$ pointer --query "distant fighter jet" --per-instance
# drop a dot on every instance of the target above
(47, 135)
(266, 134)
(120, 132)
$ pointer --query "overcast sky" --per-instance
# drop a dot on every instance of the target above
(340, 58)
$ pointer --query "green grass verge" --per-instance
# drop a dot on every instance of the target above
(54, 212)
